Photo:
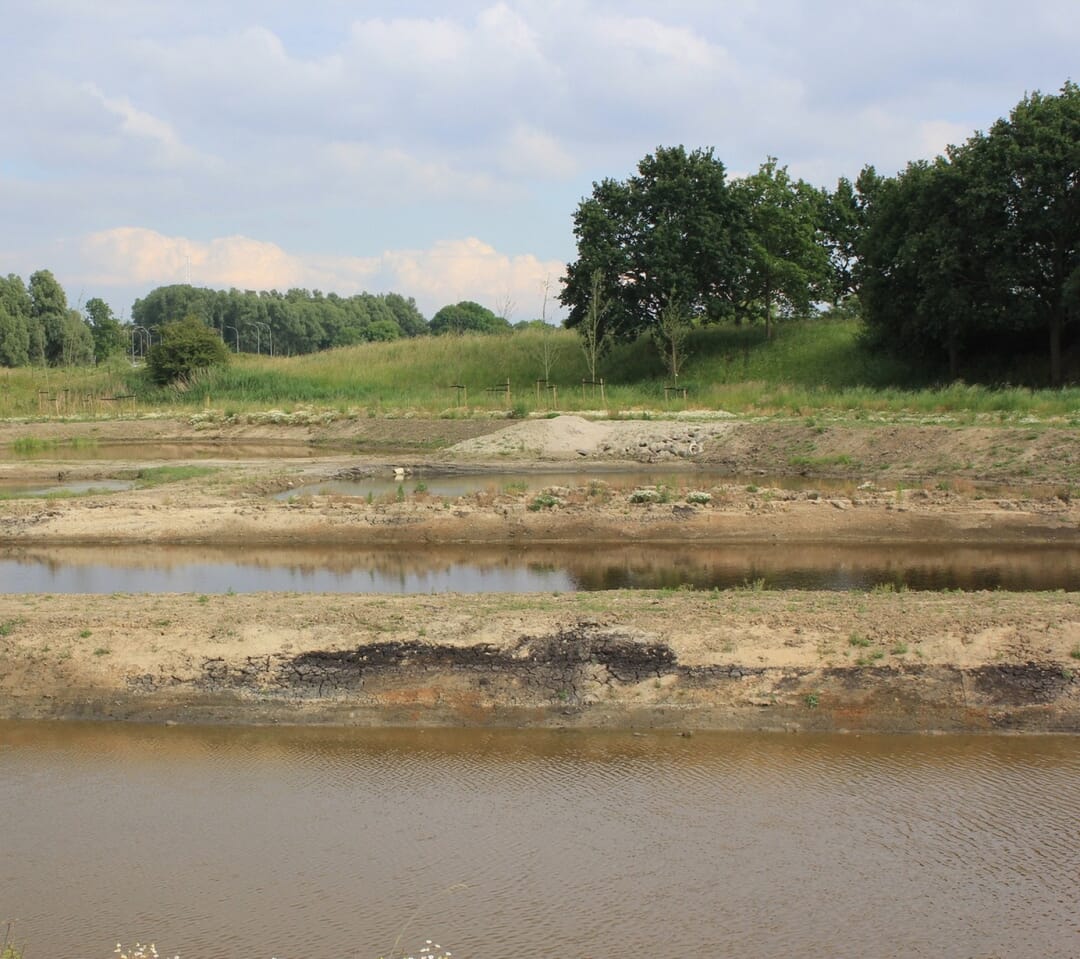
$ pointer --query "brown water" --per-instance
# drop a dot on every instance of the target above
(470, 569)
(329, 843)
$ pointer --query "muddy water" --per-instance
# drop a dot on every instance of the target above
(305, 843)
(474, 569)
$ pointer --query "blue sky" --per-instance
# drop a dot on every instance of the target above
(439, 150)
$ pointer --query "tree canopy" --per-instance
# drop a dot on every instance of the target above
(38, 326)
(678, 232)
(978, 252)
(468, 317)
(671, 232)
(785, 261)
(21, 339)
(108, 335)
(294, 322)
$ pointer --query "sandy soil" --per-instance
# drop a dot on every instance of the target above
(739, 659)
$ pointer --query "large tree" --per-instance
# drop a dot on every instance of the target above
(786, 266)
(49, 310)
(108, 334)
(672, 232)
(920, 263)
(842, 216)
(14, 339)
(979, 251)
(16, 324)
(1035, 156)
(77, 341)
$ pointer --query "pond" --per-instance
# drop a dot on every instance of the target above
(299, 843)
(477, 569)
(464, 483)
(19, 490)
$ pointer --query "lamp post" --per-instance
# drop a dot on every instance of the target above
(237, 332)
(258, 343)
(269, 333)
(145, 341)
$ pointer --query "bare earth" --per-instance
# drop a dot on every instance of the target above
(739, 659)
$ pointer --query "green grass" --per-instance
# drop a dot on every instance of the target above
(160, 475)
(32, 445)
(810, 367)
(544, 501)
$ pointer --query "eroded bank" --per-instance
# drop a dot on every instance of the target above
(746, 659)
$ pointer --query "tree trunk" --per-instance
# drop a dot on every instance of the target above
(768, 310)
(1057, 323)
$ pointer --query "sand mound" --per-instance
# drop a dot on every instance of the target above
(572, 437)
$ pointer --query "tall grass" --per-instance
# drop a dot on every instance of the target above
(810, 365)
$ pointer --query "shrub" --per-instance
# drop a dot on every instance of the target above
(185, 346)
(544, 501)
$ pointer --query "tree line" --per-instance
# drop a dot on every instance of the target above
(975, 255)
(38, 326)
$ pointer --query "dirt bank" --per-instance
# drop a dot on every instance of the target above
(743, 659)
(853, 502)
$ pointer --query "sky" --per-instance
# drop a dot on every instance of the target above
(439, 150)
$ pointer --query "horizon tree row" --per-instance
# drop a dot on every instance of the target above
(295, 322)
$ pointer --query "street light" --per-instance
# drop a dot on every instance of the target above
(237, 332)
(269, 334)
(258, 326)
(145, 341)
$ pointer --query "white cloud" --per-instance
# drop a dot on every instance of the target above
(135, 256)
(935, 135)
(651, 38)
(469, 269)
(447, 272)
(388, 175)
(138, 124)
(529, 152)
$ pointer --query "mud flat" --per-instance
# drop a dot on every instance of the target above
(740, 659)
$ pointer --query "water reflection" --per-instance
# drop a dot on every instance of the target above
(463, 483)
(307, 842)
(473, 569)
(74, 488)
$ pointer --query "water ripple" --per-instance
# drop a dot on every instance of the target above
(332, 842)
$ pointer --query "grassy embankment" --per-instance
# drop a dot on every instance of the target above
(810, 367)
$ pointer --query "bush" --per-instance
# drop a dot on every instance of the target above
(184, 347)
